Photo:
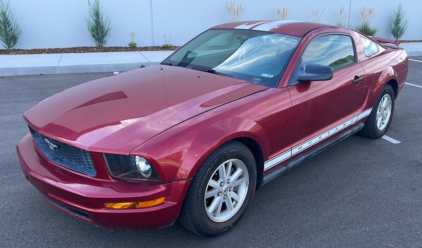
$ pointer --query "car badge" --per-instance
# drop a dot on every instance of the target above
(50, 144)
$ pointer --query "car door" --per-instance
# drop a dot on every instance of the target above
(318, 106)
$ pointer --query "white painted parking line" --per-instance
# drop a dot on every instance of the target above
(116, 72)
(413, 85)
(416, 60)
(390, 139)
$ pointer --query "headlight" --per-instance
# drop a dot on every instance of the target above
(143, 166)
(130, 167)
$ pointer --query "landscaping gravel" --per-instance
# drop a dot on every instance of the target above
(83, 50)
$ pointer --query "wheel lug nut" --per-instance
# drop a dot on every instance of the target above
(221, 184)
(219, 193)
(230, 189)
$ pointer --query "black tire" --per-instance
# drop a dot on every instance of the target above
(193, 214)
(370, 129)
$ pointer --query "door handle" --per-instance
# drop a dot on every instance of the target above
(358, 80)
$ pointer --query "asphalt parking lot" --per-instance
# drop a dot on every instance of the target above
(359, 193)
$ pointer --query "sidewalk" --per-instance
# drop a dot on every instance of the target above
(19, 65)
(35, 64)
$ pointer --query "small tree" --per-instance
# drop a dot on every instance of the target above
(98, 25)
(398, 23)
(366, 16)
(9, 28)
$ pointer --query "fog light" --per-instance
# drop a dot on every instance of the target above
(132, 205)
(143, 166)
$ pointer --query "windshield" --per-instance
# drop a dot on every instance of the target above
(254, 56)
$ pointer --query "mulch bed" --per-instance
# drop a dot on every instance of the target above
(409, 41)
(102, 50)
(82, 50)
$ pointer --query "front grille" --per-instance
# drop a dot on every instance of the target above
(67, 156)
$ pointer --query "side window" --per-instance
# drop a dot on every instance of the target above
(370, 47)
(336, 51)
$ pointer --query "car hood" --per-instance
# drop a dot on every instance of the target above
(118, 113)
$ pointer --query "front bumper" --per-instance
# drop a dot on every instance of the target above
(84, 197)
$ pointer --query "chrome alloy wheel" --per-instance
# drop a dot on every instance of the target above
(226, 190)
(384, 112)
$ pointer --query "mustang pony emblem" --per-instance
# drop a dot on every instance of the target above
(52, 146)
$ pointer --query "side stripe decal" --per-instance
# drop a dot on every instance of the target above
(364, 114)
(313, 141)
(278, 159)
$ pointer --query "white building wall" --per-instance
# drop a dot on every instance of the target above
(61, 23)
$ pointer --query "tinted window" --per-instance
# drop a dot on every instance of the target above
(254, 56)
(334, 50)
(369, 47)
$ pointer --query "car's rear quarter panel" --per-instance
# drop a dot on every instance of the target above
(389, 65)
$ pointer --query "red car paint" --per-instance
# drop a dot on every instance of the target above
(176, 117)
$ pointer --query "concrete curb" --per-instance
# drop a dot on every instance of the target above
(20, 65)
(414, 53)
(413, 49)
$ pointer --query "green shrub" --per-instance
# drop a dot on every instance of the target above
(316, 15)
(235, 11)
(398, 23)
(9, 28)
(365, 27)
(98, 25)
(132, 42)
(132, 45)
(341, 18)
(282, 14)
(167, 43)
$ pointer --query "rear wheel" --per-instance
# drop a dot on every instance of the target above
(379, 120)
(220, 191)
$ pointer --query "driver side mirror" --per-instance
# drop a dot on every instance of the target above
(315, 72)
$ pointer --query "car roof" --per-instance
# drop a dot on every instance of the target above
(294, 28)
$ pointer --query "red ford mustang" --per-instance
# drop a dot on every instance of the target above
(194, 137)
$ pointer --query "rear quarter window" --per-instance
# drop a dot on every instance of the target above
(370, 48)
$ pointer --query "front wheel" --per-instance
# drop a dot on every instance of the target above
(379, 120)
(220, 191)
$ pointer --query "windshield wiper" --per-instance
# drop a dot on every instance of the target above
(212, 71)
(220, 73)
(164, 63)
(199, 69)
